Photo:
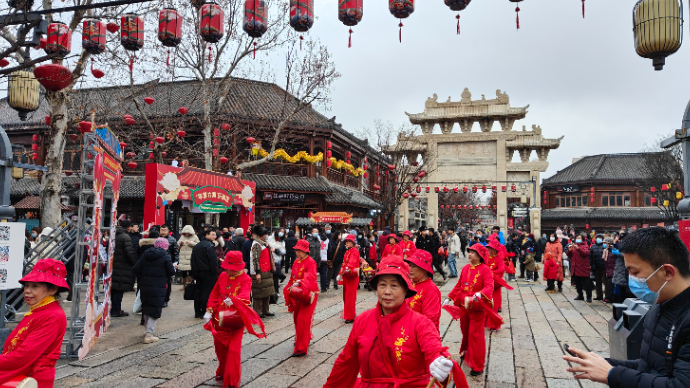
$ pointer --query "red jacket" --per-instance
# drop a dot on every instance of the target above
(373, 255)
(391, 249)
(550, 267)
(474, 279)
(579, 260)
(408, 248)
(427, 301)
(300, 269)
(498, 267)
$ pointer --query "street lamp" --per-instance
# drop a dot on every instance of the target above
(658, 29)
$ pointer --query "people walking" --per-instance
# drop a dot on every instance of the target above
(276, 241)
(314, 240)
(454, 247)
(392, 248)
(496, 262)
(154, 269)
(174, 253)
(335, 257)
(124, 258)
(186, 244)
(262, 267)
(578, 253)
(611, 258)
(204, 264)
(290, 242)
(303, 277)
(620, 274)
(407, 246)
(350, 279)
(427, 301)
(237, 240)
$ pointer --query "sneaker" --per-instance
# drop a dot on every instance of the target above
(589, 300)
(349, 320)
(299, 354)
(270, 315)
(149, 338)
(120, 314)
(580, 298)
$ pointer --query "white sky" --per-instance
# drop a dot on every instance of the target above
(581, 77)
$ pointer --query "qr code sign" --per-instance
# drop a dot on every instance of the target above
(4, 254)
(5, 233)
(3, 276)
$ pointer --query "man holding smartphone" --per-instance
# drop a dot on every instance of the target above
(657, 260)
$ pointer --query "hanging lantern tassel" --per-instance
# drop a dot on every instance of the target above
(131, 63)
(210, 50)
(458, 17)
(167, 60)
(301, 38)
(400, 32)
(517, 17)
(255, 50)
(583, 9)
(349, 42)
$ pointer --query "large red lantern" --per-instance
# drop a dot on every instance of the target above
(59, 39)
(517, 12)
(131, 32)
(255, 15)
(350, 14)
(211, 22)
(93, 36)
(170, 27)
(53, 76)
(401, 9)
(301, 15)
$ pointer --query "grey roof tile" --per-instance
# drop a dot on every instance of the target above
(619, 213)
(346, 196)
(612, 167)
(288, 183)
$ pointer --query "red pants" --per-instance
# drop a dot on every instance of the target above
(229, 352)
(350, 298)
(472, 326)
(497, 305)
(303, 317)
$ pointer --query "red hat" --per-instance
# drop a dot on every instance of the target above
(350, 237)
(495, 244)
(394, 265)
(423, 260)
(481, 250)
(233, 261)
(407, 233)
(302, 245)
(48, 271)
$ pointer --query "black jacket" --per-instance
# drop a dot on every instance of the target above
(652, 369)
(290, 242)
(423, 242)
(173, 250)
(596, 256)
(124, 258)
(236, 243)
(315, 249)
(204, 259)
(336, 253)
(246, 252)
(541, 247)
(135, 239)
(153, 270)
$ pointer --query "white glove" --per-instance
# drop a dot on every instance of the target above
(440, 368)
(477, 296)
(228, 302)
(207, 317)
(446, 302)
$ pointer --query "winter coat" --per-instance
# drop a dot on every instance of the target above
(315, 249)
(219, 246)
(454, 245)
(145, 244)
(290, 242)
(186, 245)
(383, 241)
(153, 271)
(579, 260)
(541, 247)
(278, 249)
(550, 267)
(610, 263)
(236, 243)
(529, 263)
(596, 256)
(246, 252)
(261, 288)
(620, 273)
(204, 259)
(336, 252)
(124, 258)
(524, 247)
(652, 369)
(135, 239)
(556, 250)
(173, 251)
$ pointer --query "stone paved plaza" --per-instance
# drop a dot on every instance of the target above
(525, 353)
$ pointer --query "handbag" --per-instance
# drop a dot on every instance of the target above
(137, 303)
(189, 290)
(511, 268)
(351, 274)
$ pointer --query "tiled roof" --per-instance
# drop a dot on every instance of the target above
(618, 213)
(34, 203)
(344, 196)
(130, 187)
(288, 183)
(25, 186)
(613, 167)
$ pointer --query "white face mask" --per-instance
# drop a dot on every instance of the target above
(553, 239)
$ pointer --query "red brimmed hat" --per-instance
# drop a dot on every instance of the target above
(481, 250)
(407, 233)
(351, 238)
(302, 245)
(233, 261)
(394, 265)
(48, 271)
(495, 244)
(423, 260)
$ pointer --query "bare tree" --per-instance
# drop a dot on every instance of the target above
(662, 179)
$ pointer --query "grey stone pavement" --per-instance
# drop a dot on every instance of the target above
(526, 352)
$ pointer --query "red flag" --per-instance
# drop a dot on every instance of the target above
(493, 316)
(502, 282)
(249, 317)
(454, 311)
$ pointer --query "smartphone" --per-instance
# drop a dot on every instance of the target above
(566, 347)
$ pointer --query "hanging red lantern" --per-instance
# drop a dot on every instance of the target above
(183, 110)
(445, 189)
(151, 156)
(34, 147)
(457, 5)
(47, 120)
(34, 138)
(152, 145)
(350, 13)
(329, 154)
(170, 27)
(414, 195)
(436, 189)
(149, 100)
(348, 154)
(365, 174)
(73, 136)
(130, 155)
(422, 174)
(415, 180)
(503, 189)
(181, 133)
(53, 76)
(215, 153)
(419, 189)
(329, 164)
(427, 189)
(4, 62)
(464, 189)
(377, 187)
(98, 74)
(132, 165)
(85, 126)
(664, 187)
(653, 189)
(301, 15)
(653, 201)
(211, 22)
(456, 189)
(160, 140)
(131, 32)
(401, 9)
(93, 36)
(329, 145)
(216, 132)
(215, 142)
(493, 188)
(123, 145)
(223, 159)
(226, 126)
(483, 189)
(255, 15)
(59, 39)
(112, 27)
(517, 12)
(405, 195)
(250, 140)
(164, 154)
(391, 167)
(513, 189)
(586, 226)
(474, 189)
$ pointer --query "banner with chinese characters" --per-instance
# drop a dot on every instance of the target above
(212, 199)
(331, 217)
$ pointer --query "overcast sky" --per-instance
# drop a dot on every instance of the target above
(581, 77)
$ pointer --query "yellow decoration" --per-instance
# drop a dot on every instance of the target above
(666, 202)
(679, 195)
(304, 156)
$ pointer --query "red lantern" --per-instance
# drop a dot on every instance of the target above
(149, 100)
(93, 36)
(445, 189)
(226, 126)
(250, 140)
(212, 22)
(85, 126)
(132, 165)
(164, 154)
(53, 76)
(223, 159)
(428, 189)
(517, 12)
(216, 132)
(415, 180)
(377, 187)
(73, 136)
(96, 73)
(664, 187)
(329, 145)
(422, 174)
(170, 27)
(586, 226)
(401, 9)
(419, 189)
(4, 62)
(34, 138)
(34, 147)
(255, 15)
(183, 110)
(160, 140)
(513, 189)
(34, 156)
(329, 154)
(301, 15)
(152, 145)
(436, 189)
(503, 189)
(123, 145)
(329, 164)
(474, 189)
(215, 153)
(348, 154)
(391, 167)
(130, 155)
(406, 195)
(112, 27)
(59, 39)
(151, 156)
(493, 188)
(653, 201)
(484, 189)
(653, 189)
(350, 14)
(414, 195)
(365, 174)
(181, 133)
(456, 189)
(129, 121)
(131, 32)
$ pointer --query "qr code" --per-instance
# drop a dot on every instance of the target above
(4, 254)
(3, 276)
(5, 233)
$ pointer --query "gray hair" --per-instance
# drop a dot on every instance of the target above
(239, 232)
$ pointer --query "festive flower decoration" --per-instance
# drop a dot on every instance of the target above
(304, 156)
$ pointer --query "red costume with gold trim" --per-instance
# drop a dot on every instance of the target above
(407, 248)
(392, 351)
(497, 266)
(228, 344)
(302, 315)
(427, 301)
(391, 249)
(33, 347)
(351, 262)
(473, 279)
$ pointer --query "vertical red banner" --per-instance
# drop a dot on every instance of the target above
(684, 231)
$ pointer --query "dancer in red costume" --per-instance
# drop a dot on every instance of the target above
(496, 263)
(428, 299)
(392, 248)
(407, 245)
(350, 275)
(391, 346)
(303, 275)
(233, 282)
(33, 347)
(473, 293)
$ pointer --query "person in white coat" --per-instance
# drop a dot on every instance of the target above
(454, 249)
(276, 242)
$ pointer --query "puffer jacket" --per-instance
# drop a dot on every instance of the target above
(652, 369)
(124, 258)
(620, 273)
(556, 250)
(315, 249)
(596, 256)
(145, 244)
(260, 288)
(186, 246)
(610, 263)
(153, 270)
(579, 260)
(278, 249)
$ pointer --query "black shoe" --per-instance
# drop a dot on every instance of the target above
(444, 276)
(500, 310)
(349, 320)
(282, 277)
(299, 354)
(262, 316)
(120, 314)
(580, 298)
(270, 315)
(560, 290)
(335, 287)
(142, 322)
(589, 300)
(219, 378)
(358, 287)
(165, 304)
(521, 277)
(476, 373)
(598, 298)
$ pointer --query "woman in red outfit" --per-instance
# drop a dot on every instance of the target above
(350, 275)
(391, 345)
(33, 347)
(392, 248)
(228, 342)
(407, 245)
(473, 295)
(496, 263)
(303, 275)
(428, 299)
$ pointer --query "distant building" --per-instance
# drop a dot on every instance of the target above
(619, 201)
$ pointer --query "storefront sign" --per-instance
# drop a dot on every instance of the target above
(331, 217)
(212, 199)
(569, 189)
(110, 140)
(284, 197)
(11, 254)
